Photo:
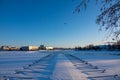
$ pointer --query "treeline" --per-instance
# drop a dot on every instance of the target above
(114, 46)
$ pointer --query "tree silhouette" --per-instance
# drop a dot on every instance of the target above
(109, 18)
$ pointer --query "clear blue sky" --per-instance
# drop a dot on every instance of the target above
(49, 22)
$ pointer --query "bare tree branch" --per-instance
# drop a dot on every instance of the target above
(109, 18)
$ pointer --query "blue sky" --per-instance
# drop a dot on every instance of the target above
(49, 22)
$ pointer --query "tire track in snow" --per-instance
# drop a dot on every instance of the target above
(39, 70)
(92, 72)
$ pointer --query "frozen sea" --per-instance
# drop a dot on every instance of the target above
(60, 65)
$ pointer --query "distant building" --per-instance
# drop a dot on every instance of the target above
(29, 48)
(42, 47)
(49, 48)
(14, 48)
(5, 48)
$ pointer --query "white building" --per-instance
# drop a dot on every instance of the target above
(29, 48)
(6, 48)
(49, 48)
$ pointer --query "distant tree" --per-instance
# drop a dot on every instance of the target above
(117, 45)
(78, 48)
(118, 42)
(89, 47)
(96, 48)
(109, 18)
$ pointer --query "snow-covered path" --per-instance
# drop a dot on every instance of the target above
(65, 70)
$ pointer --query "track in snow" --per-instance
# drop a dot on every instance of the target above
(39, 70)
(70, 66)
(93, 72)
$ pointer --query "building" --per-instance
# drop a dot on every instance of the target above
(30, 48)
(14, 48)
(5, 48)
(42, 47)
(49, 48)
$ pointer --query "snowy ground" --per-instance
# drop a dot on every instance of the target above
(60, 65)
(104, 60)
(14, 60)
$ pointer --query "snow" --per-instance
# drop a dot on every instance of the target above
(66, 71)
(60, 65)
(103, 60)
(13, 60)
